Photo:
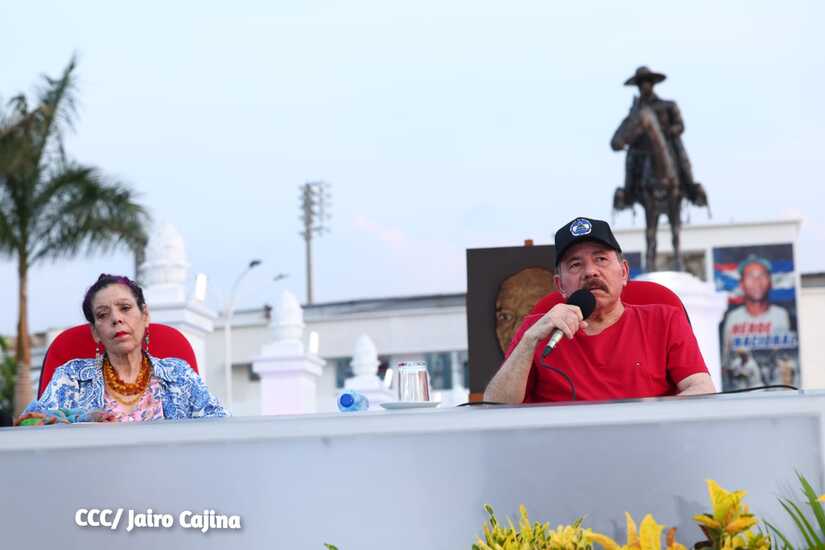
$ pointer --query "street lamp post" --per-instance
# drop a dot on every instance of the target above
(227, 331)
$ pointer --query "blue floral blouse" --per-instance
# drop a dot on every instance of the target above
(78, 384)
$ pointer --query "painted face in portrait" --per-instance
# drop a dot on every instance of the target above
(516, 297)
(756, 282)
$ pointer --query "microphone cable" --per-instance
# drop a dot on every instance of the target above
(573, 389)
(543, 364)
(564, 375)
(757, 388)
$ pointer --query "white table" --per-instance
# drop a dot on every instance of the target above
(408, 479)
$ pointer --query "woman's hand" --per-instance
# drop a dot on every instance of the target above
(39, 419)
(64, 416)
(99, 415)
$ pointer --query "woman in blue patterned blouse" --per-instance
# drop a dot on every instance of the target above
(124, 383)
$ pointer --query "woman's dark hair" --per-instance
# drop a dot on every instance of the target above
(102, 282)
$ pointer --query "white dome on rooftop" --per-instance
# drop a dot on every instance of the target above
(165, 261)
(288, 321)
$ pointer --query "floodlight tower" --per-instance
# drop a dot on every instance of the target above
(315, 206)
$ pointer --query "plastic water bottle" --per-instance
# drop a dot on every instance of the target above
(351, 401)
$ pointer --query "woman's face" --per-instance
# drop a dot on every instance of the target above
(119, 323)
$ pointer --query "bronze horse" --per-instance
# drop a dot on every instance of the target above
(655, 182)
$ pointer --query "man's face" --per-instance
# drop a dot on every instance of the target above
(596, 267)
(516, 297)
(756, 282)
(645, 88)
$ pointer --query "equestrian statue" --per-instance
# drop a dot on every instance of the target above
(658, 175)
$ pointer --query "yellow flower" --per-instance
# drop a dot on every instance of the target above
(728, 527)
(606, 542)
(632, 535)
(650, 534)
(725, 504)
(671, 540)
(524, 522)
(754, 541)
(570, 537)
(707, 521)
(732, 543)
(647, 537)
(742, 524)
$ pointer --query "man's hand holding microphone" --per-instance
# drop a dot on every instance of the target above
(563, 320)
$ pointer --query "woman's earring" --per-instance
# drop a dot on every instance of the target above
(98, 355)
(146, 339)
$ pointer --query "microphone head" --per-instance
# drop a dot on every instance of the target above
(585, 300)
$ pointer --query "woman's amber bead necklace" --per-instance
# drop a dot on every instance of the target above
(120, 388)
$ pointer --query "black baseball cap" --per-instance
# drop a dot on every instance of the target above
(584, 229)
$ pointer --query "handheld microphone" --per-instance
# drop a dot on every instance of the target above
(586, 302)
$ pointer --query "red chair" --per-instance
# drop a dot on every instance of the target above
(636, 292)
(77, 343)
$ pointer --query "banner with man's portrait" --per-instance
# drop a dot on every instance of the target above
(758, 334)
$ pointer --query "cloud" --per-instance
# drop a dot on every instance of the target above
(428, 265)
(390, 235)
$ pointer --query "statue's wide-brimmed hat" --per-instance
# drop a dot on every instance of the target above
(642, 74)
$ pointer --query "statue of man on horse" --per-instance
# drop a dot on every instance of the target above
(658, 174)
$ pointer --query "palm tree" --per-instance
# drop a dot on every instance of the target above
(51, 206)
(7, 370)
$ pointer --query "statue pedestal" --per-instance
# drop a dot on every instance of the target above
(705, 307)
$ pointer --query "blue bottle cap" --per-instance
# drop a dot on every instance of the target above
(347, 400)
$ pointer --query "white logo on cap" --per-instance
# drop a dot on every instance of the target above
(581, 227)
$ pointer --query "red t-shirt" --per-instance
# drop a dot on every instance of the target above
(644, 354)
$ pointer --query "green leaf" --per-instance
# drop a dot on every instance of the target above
(813, 500)
(799, 520)
(816, 539)
(785, 542)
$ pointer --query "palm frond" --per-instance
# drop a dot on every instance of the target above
(19, 107)
(16, 152)
(12, 215)
(9, 240)
(78, 209)
(56, 113)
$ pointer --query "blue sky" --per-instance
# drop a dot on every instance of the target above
(440, 125)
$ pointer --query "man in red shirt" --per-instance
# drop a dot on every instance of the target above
(621, 351)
